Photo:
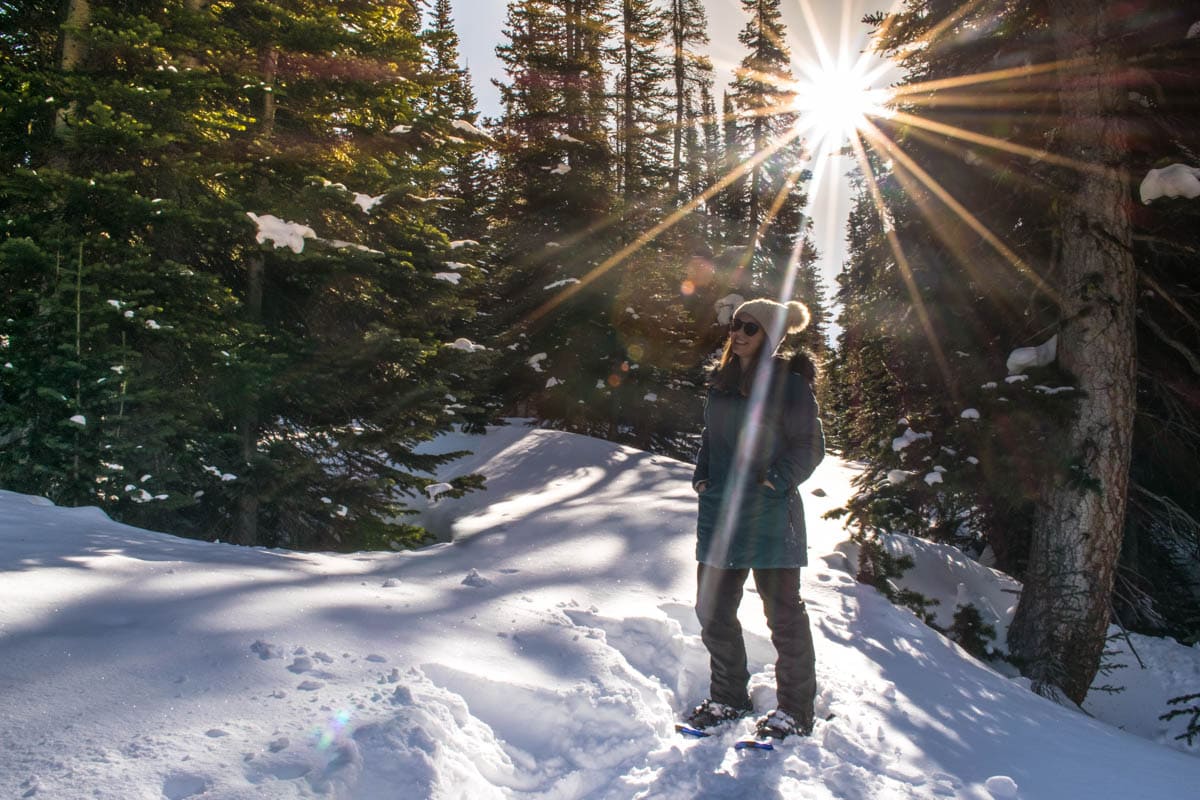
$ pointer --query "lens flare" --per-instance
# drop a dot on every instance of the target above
(835, 101)
(329, 733)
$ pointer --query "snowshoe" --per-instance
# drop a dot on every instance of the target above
(711, 713)
(779, 724)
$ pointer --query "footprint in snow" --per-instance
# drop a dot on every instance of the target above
(475, 579)
(181, 785)
(310, 686)
(266, 650)
(301, 664)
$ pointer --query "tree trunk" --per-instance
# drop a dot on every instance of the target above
(269, 65)
(74, 50)
(752, 216)
(246, 524)
(627, 121)
(679, 68)
(1059, 630)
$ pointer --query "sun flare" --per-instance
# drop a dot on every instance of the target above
(835, 102)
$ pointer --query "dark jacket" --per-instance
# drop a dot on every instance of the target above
(743, 523)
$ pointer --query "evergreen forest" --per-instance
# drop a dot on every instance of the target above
(255, 254)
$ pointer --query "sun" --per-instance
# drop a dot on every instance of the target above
(833, 102)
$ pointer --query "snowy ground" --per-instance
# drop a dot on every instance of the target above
(543, 654)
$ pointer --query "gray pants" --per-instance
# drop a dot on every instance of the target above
(719, 593)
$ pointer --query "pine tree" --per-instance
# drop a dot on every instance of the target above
(1158, 587)
(976, 226)
(642, 97)
(110, 326)
(466, 177)
(763, 96)
(710, 162)
(731, 201)
(229, 387)
(557, 171)
(691, 72)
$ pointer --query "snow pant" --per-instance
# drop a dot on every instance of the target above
(718, 596)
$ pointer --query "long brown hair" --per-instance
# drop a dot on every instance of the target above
(729, 377)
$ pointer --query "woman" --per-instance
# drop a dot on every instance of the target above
(762, 438)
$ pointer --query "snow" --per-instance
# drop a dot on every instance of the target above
(535, 361)
(366, 202)
(559, 284)
(79, 419)
(933, 477)
(540, 650)
(908, 437)
(1194, 31)
(1024, 358)
(559, 169)
(1176, 180)
(280, 232)
(898, 476)
(726, 306)
(340, 244)
(460, 243)
(435, 489)
(463, 125)
(462, 343)
(970, 413)
(1002, 787)
(449, 277)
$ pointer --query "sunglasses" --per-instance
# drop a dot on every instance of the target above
(751, 328)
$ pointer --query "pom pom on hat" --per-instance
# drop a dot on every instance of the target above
(777, 319)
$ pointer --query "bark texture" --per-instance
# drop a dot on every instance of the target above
(1061, 622)
(74, 51)
(245, 530)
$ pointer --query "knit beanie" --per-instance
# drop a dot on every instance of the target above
(777, 319)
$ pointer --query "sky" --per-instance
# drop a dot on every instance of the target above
(833, 23)
(541, 651)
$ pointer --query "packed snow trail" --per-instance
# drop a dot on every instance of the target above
(545, 653)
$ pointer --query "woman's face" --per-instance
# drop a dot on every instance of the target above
(743, 343)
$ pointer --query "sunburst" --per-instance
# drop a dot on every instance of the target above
(835, 101)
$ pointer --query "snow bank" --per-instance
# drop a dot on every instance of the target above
(541, 651)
